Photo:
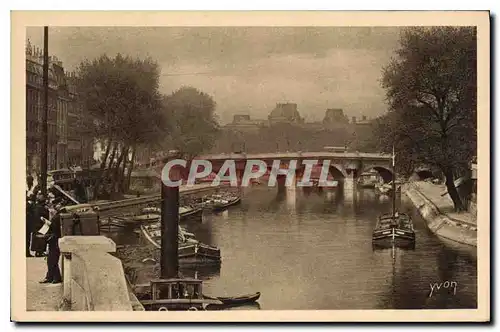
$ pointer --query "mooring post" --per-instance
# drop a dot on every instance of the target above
(170, 225)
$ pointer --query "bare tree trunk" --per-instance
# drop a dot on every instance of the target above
(121, 173)
(106, 154)
(116, 170)
(452, 190)
(107, 172)
(132, 161)
(113, 154)
(103, 165)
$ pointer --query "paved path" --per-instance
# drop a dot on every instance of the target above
(40, 297)
(444, 203)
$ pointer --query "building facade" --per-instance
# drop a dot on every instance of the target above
(80, 147)
(62, 120)
(285, 113)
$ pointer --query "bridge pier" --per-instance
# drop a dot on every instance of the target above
(350, 186)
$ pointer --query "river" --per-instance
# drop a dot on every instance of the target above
(312, 250)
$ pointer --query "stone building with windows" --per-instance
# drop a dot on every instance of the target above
(80, 149)
(61, 122)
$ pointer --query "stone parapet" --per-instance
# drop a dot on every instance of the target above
(94, 280)
(440, 223)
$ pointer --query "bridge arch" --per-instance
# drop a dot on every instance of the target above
(337, 171)
(424, 174)
(385, 172)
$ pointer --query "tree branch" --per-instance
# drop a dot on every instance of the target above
(430, 107)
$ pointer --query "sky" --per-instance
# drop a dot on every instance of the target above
(249, 70)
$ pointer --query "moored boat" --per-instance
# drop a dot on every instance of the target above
(221, 202)
(187, 294)
(190, 213)
(236, 300)
(394, 231)
(190, 251)
(185, 212)
(177, 294)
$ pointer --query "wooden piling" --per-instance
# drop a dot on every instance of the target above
(170, 228)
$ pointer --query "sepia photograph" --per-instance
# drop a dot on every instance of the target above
(314, 167)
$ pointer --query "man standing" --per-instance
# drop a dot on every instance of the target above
(29, 181)
(40, 211)
(53, 235)
(29, 223)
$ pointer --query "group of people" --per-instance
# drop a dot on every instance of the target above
(39, 212)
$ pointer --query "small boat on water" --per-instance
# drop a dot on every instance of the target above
(191, 251)
(221, 202)
(236, 300)
(187, 294)
(388, 188)
(394, 231)
(185, 212)
(177, 294)
(134, 220)
(151, 209)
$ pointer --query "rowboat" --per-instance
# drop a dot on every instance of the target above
(236, 300)
(219, 203)
(137, 220)
(185, 212)
(190, 251)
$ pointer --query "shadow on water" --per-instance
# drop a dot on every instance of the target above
(313, 251)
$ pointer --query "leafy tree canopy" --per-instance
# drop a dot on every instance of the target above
(192, 122)
(431, 90)
(121, 94)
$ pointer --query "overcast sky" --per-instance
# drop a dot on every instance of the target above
(249, 70)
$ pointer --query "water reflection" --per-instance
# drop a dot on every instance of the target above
(317, 254)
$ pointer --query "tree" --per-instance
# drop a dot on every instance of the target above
(431, 89)
(121, 95)
(192, 122)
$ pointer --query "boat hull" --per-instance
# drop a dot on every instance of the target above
(395, 237)
(178, 304)
(155, 213)
(222, 207)
(188, 253)
(237, 300)
(195, 215)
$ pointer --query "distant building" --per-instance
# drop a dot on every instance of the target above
(35, 107)
(335, 116)
(243, 123)
(285, 113)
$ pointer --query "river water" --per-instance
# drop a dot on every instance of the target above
(312, 250)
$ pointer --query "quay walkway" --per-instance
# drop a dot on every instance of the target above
(444, 203)
(41, 297)
(439, 213)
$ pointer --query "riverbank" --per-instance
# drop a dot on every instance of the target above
(439, 214)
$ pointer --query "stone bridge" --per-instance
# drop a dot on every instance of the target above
(345, 167)
(341, 165)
